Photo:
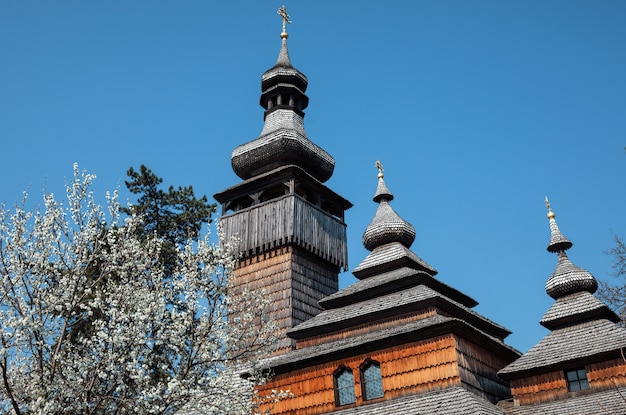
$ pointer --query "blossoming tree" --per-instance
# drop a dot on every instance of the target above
(91, 323)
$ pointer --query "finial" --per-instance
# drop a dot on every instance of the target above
(282, 12)
(558, 242)
(551, 214)
(379, 166)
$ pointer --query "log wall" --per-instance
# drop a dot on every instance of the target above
(411, 368)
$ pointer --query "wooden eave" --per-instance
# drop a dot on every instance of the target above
(428, 328)
(388, 257)
(390, 282)
(286, 75)
(310, 329)
(564, 365)
(278, 176)
(577, 308)
(583, 343)
(569, 320)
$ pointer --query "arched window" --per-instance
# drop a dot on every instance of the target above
(344, 386)
(371, 380)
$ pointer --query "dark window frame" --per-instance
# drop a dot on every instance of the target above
(577, 380)
(366, 384)
(338, 387)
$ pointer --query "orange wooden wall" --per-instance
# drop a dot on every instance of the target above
(553, 385)
(411, 368)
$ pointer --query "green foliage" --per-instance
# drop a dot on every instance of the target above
(174, 215)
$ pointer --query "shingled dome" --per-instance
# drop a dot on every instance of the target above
(283, 140)
(387, 226)
(567, 278)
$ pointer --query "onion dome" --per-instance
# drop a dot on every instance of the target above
(283, 140)
(567, 278)
(387, 226)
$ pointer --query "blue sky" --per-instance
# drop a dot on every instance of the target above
(477, 111)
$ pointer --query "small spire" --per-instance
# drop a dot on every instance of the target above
(283, 56)
(387, 226)
(551, 214)
(558, 242)
(282, 12)
(567, 278)
(388, 237)
(382, 192)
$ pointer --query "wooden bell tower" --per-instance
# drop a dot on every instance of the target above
(290, 225)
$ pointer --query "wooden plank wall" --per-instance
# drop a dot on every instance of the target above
(478, 368)
(608, 374)
(412, 368)
(551, 386)
(311, 280)
(271, 272)
(288, 220)
(294, 281)
(539, 388)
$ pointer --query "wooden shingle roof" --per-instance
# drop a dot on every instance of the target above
(608, 402)
(567, 278)
(450, 401)
(425, 328)
(390, 256)
(392, 281)
(584, 330)
(569, 346)
(412, 299)
(389, 238)
(576, 307)
(283, 140)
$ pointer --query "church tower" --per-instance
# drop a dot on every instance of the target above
(291, 226)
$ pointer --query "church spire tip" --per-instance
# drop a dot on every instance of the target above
(283, 56)
(551, 214)
(382, 192)
(379, 166)
(282, 12)
(558, 242)
(567, 278)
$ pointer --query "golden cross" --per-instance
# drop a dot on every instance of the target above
(282, 12)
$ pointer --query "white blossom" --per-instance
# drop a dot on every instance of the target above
(90, 323)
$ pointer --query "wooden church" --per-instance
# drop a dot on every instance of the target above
(400, 340)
